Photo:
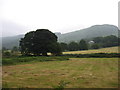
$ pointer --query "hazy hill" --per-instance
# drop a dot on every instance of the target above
(93, 31)
(10, 42)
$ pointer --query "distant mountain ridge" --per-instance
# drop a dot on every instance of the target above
(10, 42)
(93, 31)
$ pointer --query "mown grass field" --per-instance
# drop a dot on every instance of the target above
(76, 72)
(102, 50)
(50, 72)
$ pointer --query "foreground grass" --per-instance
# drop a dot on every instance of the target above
(77, 72)
(102, 50)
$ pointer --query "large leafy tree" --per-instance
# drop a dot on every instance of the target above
(39, 42)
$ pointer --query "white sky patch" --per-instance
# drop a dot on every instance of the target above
(60, 15)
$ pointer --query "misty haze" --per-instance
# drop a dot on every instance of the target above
(59, 44)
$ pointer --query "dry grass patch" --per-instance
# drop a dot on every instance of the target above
(102, 50)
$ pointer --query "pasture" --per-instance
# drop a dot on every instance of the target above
(102, 50)
(61, 71)
(75, 73)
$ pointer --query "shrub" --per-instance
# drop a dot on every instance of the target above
(6, 54)
(61, 85)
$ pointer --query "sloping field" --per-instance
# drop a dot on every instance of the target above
(102, 50)
(76, 73)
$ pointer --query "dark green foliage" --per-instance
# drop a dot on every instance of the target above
(83, 45)
(73, 46)
(39, 42)
(6, 54)
(23, 48)
(95, 55)
(107, 41)
(26, 59)
(64, 46)
(95, 46)
(98, 39)
(56, 49)
(110, 41)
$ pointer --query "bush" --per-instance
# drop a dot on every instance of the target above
(96, 55)
(95, 46)
(6, 54)
(24, 59)
(61, 85)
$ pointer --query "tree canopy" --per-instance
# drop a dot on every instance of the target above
(64, 46)
(83, 45)
(107, 41)
(73, 46)
(39, 42)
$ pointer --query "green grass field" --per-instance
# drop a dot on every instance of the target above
(57, 71)
(75, 72)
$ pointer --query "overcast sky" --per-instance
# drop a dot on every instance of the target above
(21, 16)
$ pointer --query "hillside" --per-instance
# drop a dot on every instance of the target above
(93, 31)
(10, 42)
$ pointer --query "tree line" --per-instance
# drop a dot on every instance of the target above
(42, 41)
(74, 46)
(94, 43)
(108, 41)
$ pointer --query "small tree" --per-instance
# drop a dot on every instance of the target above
(83, 45)
(64, 46)
(73, 46)
(56, 49)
